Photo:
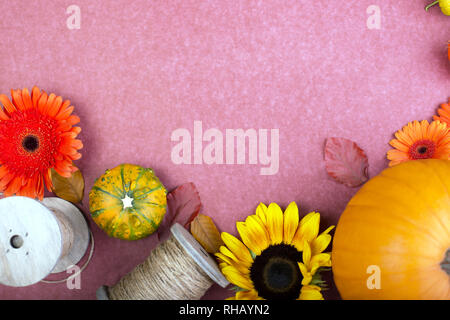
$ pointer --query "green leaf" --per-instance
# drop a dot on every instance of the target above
(237, 289)
(317, 278)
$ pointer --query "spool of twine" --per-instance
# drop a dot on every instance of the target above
(169, 273)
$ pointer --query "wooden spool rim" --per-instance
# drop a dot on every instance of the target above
(198, 254)
(42, 241)
(78, 224)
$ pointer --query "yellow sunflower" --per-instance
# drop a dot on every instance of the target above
(279, 256)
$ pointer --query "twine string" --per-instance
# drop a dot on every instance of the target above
(169, 273)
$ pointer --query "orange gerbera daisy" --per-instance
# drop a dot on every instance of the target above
(444, 113)
(420, 140)
(36, 135)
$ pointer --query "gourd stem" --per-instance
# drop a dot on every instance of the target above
(431, 5)
(445, 264)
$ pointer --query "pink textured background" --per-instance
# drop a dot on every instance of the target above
(137, 70)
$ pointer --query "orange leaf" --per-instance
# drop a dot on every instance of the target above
(205, 232)
(70, 189)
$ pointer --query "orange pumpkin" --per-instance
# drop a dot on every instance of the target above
(393, 239)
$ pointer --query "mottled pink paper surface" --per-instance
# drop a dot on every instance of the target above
(138, 70)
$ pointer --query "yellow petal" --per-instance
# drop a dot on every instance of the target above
(237, 247)
(275, 223)
(261, 211)
(247, 295)
(320, 260)
(254, 234)
(242, 266)
(223, 265)
(310, 292)
(290, 222)
(320, 243)
(306, 254)
(225, 251)
(223, 258)
(297, 240)
(309, 226)
(249, 241)
(328, 230)
(257, 226)
(225, 261)
(235, 277)
(307, 276)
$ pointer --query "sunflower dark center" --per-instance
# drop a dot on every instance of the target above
(30, 143)
(422, 149)
(275, 272)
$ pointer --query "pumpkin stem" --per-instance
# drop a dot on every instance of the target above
(445, 264)
(431, 5)
(127, 202)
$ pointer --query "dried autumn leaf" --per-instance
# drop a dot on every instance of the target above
(346, 162)
(70, 189)
(205, 232)
(183, 205)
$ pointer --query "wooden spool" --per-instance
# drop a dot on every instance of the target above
(39, 238)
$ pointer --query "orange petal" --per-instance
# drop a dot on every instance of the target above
(3, 115)
(72, 120)
(69, 135)
(3, 171)
(397, 144)
(75, 156)
(64, 113)
(50, 101)
(16, 96)
(48, 180)
(63, 167)
(28, 190)
(64, 126)
(40, 189)
(6, 180)
(67, 149)
(26, 99)
(9, 107)
(395, 154)
(14, 186)
(77, 130)
(35, 95)
(77, 144)
(55, 106)
(65, 174)
(42, 103)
